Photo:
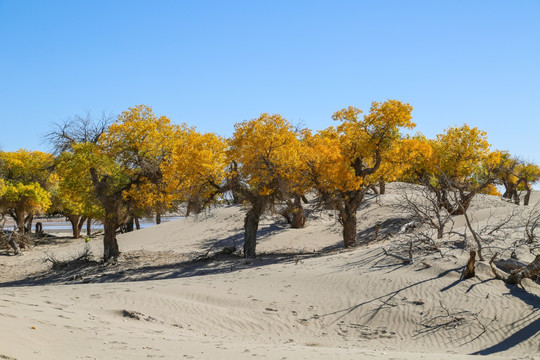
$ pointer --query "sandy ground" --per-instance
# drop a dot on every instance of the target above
(171, 295)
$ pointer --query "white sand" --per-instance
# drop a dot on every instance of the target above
(302, 298)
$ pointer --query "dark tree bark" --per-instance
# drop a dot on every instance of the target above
(130, 224)
(251, 225)
(77, 223)
(527, 196)
(110, 244)
(158, 218)
(89, 226)
(114, 206)
(20, 222)
(382, 187)
(138, 224)
(347, 216)
(39, 228)
(510, 192)
(298, 218)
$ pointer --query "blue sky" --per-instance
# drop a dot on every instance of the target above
(214, 63)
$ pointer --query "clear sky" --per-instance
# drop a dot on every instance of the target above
(214, 63)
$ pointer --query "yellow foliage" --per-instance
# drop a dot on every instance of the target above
(197, 165)
(491, 189)
(140, 143)
(359, 152)
(268, 153)
(27, 180)
(528, 174)
(75, 191)
(460, 152)
(27, 197)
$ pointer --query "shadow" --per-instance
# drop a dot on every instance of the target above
(88, 271)
(526, 332)
(385, 228)
(383, 298)
(481, 282)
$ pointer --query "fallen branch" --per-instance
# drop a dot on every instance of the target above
(409, 260)
(517, 276)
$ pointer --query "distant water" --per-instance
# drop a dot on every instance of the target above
(63, 226)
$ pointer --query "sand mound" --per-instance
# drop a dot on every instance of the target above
(175, 294)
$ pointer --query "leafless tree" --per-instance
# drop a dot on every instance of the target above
(78, 129)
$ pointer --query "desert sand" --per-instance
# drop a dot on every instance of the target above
(172, 295)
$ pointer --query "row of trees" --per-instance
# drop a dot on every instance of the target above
(118, 170)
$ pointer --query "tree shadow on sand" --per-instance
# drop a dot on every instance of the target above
(530, 324)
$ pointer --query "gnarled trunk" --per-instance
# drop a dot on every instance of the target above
(110, 244)
(89, 226)
(130, 224)
(349, 229)
(527, 196)
(382, 187)
(298, 218)
(77, 223)
(347, 207)
(251, 224)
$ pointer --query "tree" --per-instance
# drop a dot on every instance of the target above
(461, 164)
(265, 156)
(75, 195)
(196, 169)
(528, 174)
(505, 174)
(65, 136)
(345, 161)
(132, 151)
(28, 181)
(77, 130)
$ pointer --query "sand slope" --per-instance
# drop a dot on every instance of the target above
(302, 298)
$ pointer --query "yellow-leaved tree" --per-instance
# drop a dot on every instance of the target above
(196, 169)
(75, 196)
(136, 144)
(345, 161)
(506, 175)
(28, 185)
(461, 166)
(528, 174)
(266, 157)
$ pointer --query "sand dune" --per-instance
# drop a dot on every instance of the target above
(303, 298)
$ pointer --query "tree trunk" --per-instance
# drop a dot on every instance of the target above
(298, 217)
(130, 224)
(382, 187)
(251, 224)
(28, 223)
(74, 220)
(349, 230)
(158, 218)
(347, 216)
(89, 226)
(527, 196)
(20, 221)
(440, 231)
(82, 220)
(110, 245)
(138, 224)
